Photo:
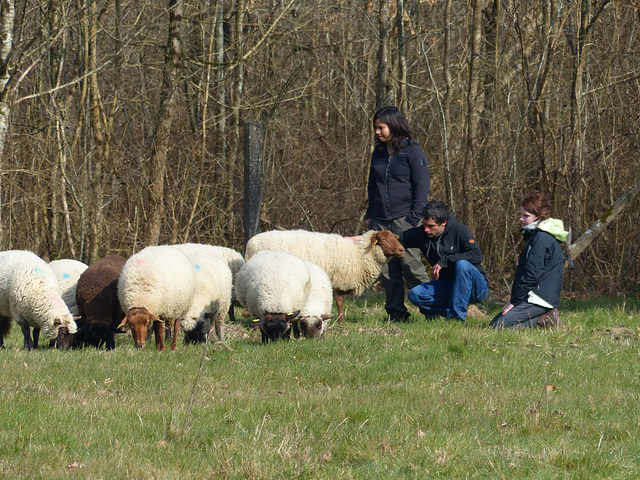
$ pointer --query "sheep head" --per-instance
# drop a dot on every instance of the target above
(98, 334)
(64, 339)
(275, 326)
(389, 243)
(139, 321)
(311, 327)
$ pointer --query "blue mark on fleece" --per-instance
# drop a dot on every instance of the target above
(38, 270)
(66, 275)
(197, 267)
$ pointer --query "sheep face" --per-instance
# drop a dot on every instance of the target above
(98, 335)
(275, 326)
(310, 327)
(389, 244)
(64, 339)
(196, 334)
(139, 321)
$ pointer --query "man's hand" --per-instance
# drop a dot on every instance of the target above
(435, 271)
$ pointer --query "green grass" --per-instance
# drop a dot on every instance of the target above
(372, 400)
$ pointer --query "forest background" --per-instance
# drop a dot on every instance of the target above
(122, 122)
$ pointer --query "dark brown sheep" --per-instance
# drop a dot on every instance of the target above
(98, 306)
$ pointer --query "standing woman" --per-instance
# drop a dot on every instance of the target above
(398, 189)
(535, 293)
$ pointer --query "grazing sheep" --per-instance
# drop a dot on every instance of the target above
(156, 286)
(29, 293)
(68, 272)
(211, 299)
(98, 305)
(352, 267)
(234, 260)
(317, 309)
(273, 286)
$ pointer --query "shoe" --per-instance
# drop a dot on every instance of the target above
(549, 319)
(399, 318)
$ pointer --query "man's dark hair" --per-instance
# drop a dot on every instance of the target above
(437, 210)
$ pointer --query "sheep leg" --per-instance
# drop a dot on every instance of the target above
(219, 325)
(5, 327)
(158, 328)
(339, 296)
(26, 332)
(36, 337)
(174, 341)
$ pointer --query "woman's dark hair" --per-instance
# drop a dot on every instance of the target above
(536, 203)
(398, 125)
(436, 210)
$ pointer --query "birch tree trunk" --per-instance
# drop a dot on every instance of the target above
(7, 18)
(166, 114)
(403, 101)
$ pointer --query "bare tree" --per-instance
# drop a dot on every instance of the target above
(7, 18)
(161, 136)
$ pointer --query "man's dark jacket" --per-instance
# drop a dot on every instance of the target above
(398, 183)
(453, 244)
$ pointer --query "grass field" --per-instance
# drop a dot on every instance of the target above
(372, 400)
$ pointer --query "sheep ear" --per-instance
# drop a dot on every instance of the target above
(57, 322)
(292, 315)
(154, 318)
(327, 316)
(122, 323)
(257, 322)
(374, 240)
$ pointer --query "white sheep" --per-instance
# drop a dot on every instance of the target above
(68, 272)
(317, 309)
(352, 266)
(234, 260)
(156, 286)
(212, 298)
(273, 286)
(30, 295)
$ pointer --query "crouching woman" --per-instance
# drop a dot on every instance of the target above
(535, 293)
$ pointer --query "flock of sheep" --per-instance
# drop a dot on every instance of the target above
(286, 281)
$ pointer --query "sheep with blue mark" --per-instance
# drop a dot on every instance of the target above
(233, 258)
(211, 300)
(155, 288)
(30, 295)
(68, 272)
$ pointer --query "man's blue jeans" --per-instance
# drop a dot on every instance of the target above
(451, 297)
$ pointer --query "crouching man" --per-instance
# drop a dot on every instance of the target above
(457, 276)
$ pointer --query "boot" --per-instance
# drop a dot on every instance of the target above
(549, 319)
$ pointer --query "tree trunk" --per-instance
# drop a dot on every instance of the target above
(446, 104)
(403, 101)
(605, 219)
(473, 118)
(166, 114)
(7, 18)
(382, 80)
